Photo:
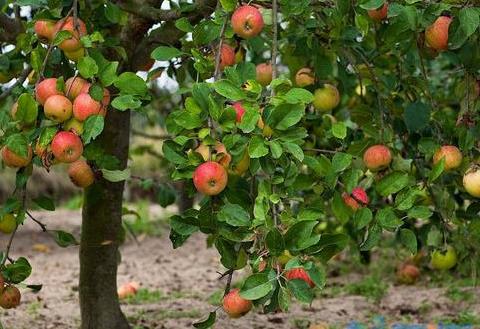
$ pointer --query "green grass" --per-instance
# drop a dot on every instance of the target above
(138, 220)
(371, 287)
(145, 296)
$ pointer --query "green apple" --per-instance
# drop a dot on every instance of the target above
(444, 260)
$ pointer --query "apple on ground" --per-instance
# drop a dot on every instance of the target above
(236, 306)
(128, 289)
(210, 178)
(408, 274)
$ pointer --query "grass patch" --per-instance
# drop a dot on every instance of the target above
(370, 287)
(145, 296)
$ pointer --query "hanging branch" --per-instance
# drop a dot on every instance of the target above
(42, 226)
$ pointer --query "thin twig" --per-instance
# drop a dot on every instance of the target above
(229, 282)
(274, 42)
(218, 57)
(20, 80)
(151, 136)
(43, 226)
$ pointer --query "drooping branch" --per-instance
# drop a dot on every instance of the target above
(10, 28)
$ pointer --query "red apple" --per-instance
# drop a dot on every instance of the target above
(14, 160)
(67, 147)
(45, 89)
(350, 202)
(453, 156)
(74, 86)
(408, 274)
(379, 14)
(81, 174)
(67, 24)
(45, 29)
(210, 178)
(264, 74)
(360, 195)
(227, 56)
(436, 35)
(84, 106)
(236, 306)
(300, 274)
(247, 22)
(377, 157)
(129, 289)
(58, 108)
(10, 297)
(239, 110)
(305, 77)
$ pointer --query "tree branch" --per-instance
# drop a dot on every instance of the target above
(20, 80)
(10, 28)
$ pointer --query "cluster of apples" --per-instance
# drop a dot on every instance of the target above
(67, 108)
(46, 30)
(9, 295)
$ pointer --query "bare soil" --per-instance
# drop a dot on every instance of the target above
(186, 278)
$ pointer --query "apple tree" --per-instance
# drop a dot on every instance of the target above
(306, 126)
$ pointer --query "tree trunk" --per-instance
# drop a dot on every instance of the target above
(101, 236)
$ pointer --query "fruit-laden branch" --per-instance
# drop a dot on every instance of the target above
(10, 28)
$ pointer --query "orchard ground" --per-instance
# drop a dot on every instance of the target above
(181, 286)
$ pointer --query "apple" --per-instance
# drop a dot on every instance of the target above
(227, 56)
(58, 108)
(128, 290)
(14, 160)
(75, 55)
(67, 147)
(247, 21)
(299, 274)
(8, 223)
(264, 74)
(219, 153)
(408, 274)
(45, 29)
(471, 181)
(377, 157)
(444, 260)
(85, 106)
(74, 86)
(453, 156)
(284, 258)
(73, 125)
(305, 77)
(242, 166)
(45, 89)
(326, 98)
(239, 110)
(360, 195)
(436, 35)
(10, 297)
(350, 202)
(379, 14)
(67, 24)
(81, 174)
(210, 178)
(236, 306)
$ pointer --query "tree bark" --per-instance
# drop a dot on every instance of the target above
(101, 236)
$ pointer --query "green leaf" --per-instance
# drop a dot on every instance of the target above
(406, 198)
(113, 13)
(275, 242)
(64, 239)
(234, 215)
(45, 203)
(417, 116)
(87, 67)
(436, 170)
(27, 110)
(229, 90)
(173, 153)
(228, 5)
(249, 120)
(285, 116)
(301, 290)
(126, 102)
(116, 175)
(295, 150)
(61, 36)
(341, 161)
(298, 95)
(339, 130)
(256, 286)
(183, 24)
(372, 4)
(318, 275)
(387, 218)
(469, 20)
(163, 53)
(208, 322)
(131, 84)
(392, 183)
(108, 73)
(422, 212)
(257, 147)
(362, 218)
(19, 271)
(409, 240)
(92, 128)
(18, 144)
(373, 237)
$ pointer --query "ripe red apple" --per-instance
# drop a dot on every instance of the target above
(305, 77)
(129, 289)
(236, 306)
(264, 74)
(45, 29)
(10, 297)
(471, 181)
(84, 106)
(67, 24)
(379, 14)
(436, 35)
(210, 178)
(58, 108)
(14, 160)
(45, 89)
(81, 174)
(247, 22)
(326, 98)
(227, 56)
(360, 195)
(300, 274)
(453, 156)
(377, 157)
(239, 110)
(408, 274)
(67, 147)
(73, 125)
(350, 202)
(74, 86)
(219, 153)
